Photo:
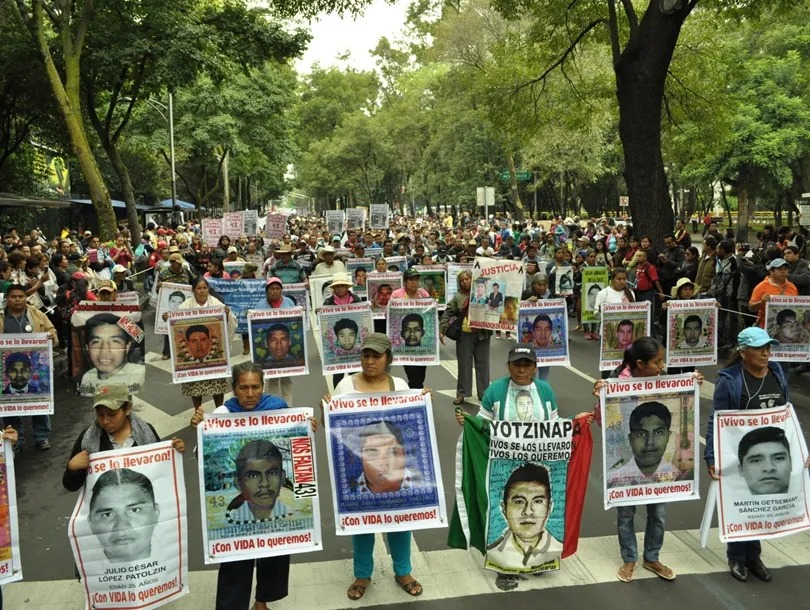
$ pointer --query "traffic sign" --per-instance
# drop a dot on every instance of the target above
(624, 201)
(522, 174)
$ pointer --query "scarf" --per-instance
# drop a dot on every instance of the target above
(141, 433)
(266, 403)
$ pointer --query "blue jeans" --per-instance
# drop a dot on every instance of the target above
(41, 425)
(653, 534)
(399, 543)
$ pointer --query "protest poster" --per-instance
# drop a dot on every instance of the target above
(691, 332)
(200, 344)
(379, 215)
(10, 563)
(283, 518)
(497, 286)
(129, 298)
(108, 346)
(26, 372)
(787, 319)
(358, 269)
(212, 230)
(397, 263)
(234, 269)
(593, 280)
(434, 280)
(170, 297)
(299, 295)
(451, 286)
(276, 226)
(355, 219)
(650, 439)
(128, 530)
(278, 341)
(342, 331)
(544, 324)
(233, 224)
(374, 253)
(384, 463)
(526, 490)
(622, 323)
(251, 222)
(320, 289)
(240, 296)
(413, 327)
(380, 288)
(760, 458)
(334, 222)
(564, 280)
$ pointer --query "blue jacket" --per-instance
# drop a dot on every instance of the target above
(727, 395)
(267, 402)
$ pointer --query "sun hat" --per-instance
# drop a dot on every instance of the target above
(680, 284)
(341, 279)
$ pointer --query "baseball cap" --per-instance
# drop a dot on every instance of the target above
(78, 275)
(274, 280)
(776, 263)
(754, 337)
(378, 342)
(113, 396)
(522, 351)
(106, 286)
(410, 274)
(122, 269)
(176, 257)
(233, 249)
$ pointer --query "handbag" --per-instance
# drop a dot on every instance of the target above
(454, 327)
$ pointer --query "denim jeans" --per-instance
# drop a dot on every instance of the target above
(41, 425)
(399, 543)
(653, 534)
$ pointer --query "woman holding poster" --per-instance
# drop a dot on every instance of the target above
(375, 358)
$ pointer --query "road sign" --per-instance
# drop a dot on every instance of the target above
(486, 196)
(624, 201)
(522, 174)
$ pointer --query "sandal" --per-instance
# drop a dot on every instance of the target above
(413, 588)
(659, 569)
(625, 573)
(356, 591)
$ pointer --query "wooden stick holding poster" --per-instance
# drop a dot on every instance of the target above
(237, 525)
(200, 344)
(26, 363)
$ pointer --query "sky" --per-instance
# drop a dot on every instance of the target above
(333, 36)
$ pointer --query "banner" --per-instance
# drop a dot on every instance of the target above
(379, 215)
(343, 329)
(26, 364)
(259, 495)
(129, 530)
(397, 263)
(434, 280)
(170, 297)
(650, 439)
(497, 286)
(380, 288)
(200, 344)
(764, 483)
(787, 319)
(622, 323)
(334, 222)
(212, 230)
(451, 286)
(355, 219)
(691, 332)
(384, 463)
(544, 324)
(251, 222)
(526, 489)
(10, 563)
(278, 342)
(413, 327)
(276, 226)
(299, 295)
(240, 296)
(593, 280)
(108, 346)
(233, 225)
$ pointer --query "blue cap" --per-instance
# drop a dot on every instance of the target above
(776, 263)
(754, 337)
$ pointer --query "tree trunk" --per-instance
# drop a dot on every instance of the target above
(742, 209)
(513, 186)
(120, 169)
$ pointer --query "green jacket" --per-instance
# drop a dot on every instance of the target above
(496, 395)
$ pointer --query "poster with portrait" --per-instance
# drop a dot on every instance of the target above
(451, 286)
(691, 332)
(564, 277)
(379, 215)
(259, 492)
(109, 346)
(276, 226)
(251, 223)
(434, 280)
(622, 323)
(526, 481)
(397, 263)
(200, 344)
(334, 222)
(320, 289)
(342, 331)
(787, 319)
(358, 269)
(212, 230)
(384, 463)
(496, 289)
(129, 530)
(544, 324)
(380, 288)
(10, 563)
(233, 224)
(413, 327)
(764, 489)
(240, 296)
(650, 428)
(170, 297)
(278, 341)
(299, 295)
(234, 269)
(355, 219)
(593, 280)
(26, 372)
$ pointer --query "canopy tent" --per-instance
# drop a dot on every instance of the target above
(115, 203)
(184, 205)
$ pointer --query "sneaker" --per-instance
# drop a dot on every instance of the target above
(43, 445)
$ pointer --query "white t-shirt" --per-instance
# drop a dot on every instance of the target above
(610, 296)
(346, 385)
